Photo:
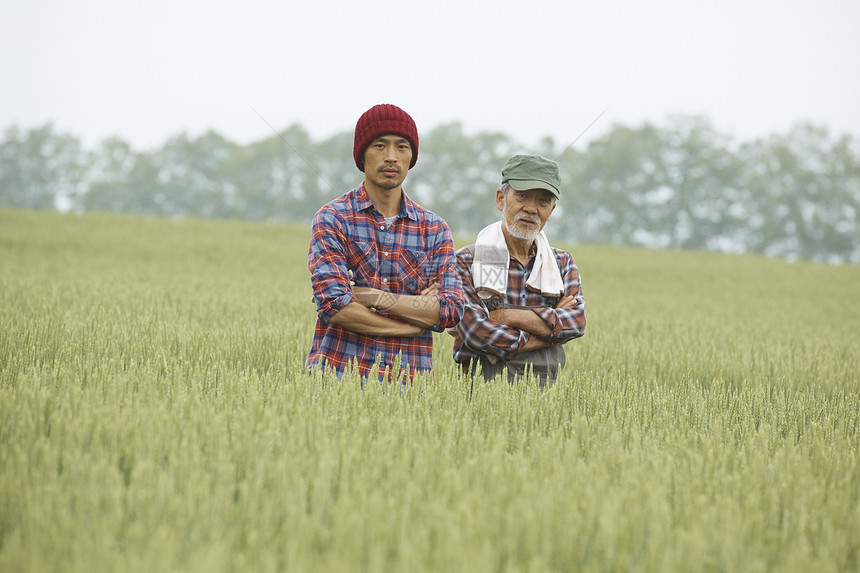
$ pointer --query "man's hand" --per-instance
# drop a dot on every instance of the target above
(373, 298)
(533, 343)
(567, 301)
(433, 288)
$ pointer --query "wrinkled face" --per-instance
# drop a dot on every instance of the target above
(386, 161)
(525, 213)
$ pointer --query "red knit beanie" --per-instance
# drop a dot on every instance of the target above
(379, 120)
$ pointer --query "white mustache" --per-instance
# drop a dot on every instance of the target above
(528, 219)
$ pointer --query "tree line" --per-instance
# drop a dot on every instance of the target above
(679, 185)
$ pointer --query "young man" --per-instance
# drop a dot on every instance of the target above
(382, 266)
(523, 297)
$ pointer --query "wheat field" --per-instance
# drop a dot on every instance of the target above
(155, 415)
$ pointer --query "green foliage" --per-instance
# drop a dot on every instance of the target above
(155, 415)
(682, 185)
(459, 174)
(809, 186)
(40, 169)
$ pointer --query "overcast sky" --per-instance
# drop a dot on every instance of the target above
(148, 70)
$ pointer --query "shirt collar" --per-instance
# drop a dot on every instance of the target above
(408, 208)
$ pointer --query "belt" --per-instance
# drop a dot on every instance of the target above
(497, 303)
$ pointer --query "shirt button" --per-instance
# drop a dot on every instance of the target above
(385, 254)
(382, 227)
(385, 280)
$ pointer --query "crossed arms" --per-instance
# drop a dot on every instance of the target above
(420, 311)
(508, 331)
(536, 329)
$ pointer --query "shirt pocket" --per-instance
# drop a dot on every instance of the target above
(363, 261)
(412, 270)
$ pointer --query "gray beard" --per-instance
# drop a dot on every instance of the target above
(514, 232)
(522, 235)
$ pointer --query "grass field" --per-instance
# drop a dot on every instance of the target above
(155, 415)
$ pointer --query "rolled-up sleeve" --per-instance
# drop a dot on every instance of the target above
(450, 293)
(568, 323)
(328, 267)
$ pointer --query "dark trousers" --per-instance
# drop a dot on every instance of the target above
(543, 364)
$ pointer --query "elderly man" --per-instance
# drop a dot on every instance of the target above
(523, 297)
(382, 266)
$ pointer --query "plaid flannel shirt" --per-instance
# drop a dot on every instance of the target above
(416, 250)
(481, 335)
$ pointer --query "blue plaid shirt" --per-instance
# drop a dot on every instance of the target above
(416, 250)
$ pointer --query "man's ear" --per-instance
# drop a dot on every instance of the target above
(500, 198)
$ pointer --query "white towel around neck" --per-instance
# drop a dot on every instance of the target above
(491, 260)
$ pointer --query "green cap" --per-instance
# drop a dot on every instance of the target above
(525, 172)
